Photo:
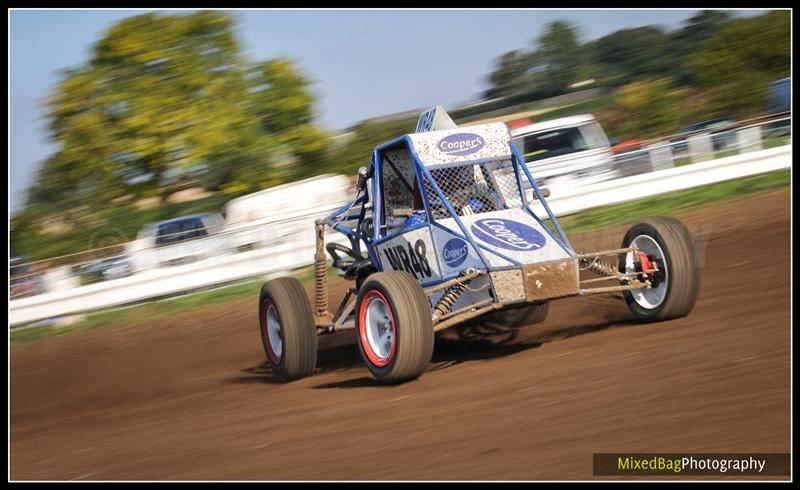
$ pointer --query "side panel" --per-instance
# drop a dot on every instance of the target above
(455, 253)
(412, 252)
(511, 233)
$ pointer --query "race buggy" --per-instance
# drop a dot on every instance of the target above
(442, 232)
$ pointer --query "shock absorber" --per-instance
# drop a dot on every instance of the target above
(599, 267)
(447, 300)
(321, 275)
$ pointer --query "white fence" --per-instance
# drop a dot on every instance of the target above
(166, 281)
(299, 251)
(669, 180)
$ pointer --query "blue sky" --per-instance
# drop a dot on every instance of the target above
(362, 63)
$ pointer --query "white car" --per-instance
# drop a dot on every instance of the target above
(566, 152)
(179, 241)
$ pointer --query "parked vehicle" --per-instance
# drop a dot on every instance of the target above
(779, 96)
(566, 152)
(185, 239)
(24, 281)
(779, 101)
(108, 268)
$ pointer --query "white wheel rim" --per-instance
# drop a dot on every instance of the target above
(274, 331)
(380, 331)
(649, 298)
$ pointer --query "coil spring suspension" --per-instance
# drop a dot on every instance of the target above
(599, 267)
(321, 284)
(447, 300)
(320, 274)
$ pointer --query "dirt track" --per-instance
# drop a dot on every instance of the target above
(188, 397)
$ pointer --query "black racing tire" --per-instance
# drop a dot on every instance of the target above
(292, 348)
(394, 329)
(520, 317)
(680, 277)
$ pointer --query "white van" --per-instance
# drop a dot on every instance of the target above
(566, 152)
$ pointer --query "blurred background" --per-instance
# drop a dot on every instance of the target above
(163, 164)
(143, 142)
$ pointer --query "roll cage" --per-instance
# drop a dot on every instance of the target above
(369, 210)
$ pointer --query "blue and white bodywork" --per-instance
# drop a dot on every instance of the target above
(440, 202)
(442, 234)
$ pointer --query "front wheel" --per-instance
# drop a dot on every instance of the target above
(666, 244)
(394, 329)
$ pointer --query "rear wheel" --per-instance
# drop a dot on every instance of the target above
(394, 330)
(287, 328)
(669, 246)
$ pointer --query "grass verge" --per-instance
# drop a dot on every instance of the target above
(672, 203)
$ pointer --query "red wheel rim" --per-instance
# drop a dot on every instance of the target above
(374, 331)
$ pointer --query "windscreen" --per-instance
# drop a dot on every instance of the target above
(563, 141)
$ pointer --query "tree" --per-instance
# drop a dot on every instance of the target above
(646, 109)
(510, 75)
(169, 98)
(557, 61)
(161, 95)
(698, 29)
(283, 104)
(633, 54)
(692, 37)
(559, 54)
(364, 137)
(738, 63)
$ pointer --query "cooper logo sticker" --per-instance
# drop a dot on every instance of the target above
(461, 144)
(455, 252)
(508, 234)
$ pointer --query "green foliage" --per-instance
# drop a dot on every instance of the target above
(364, 137)
(646, 109)
(589, 106)
(738, 63)
(548, 70)
(160, 96)
(692, 38)
(559, 53)
(722, 62)
(166, 102)
(633, 54)
(510, 76)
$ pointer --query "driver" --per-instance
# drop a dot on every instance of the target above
(466, 194)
